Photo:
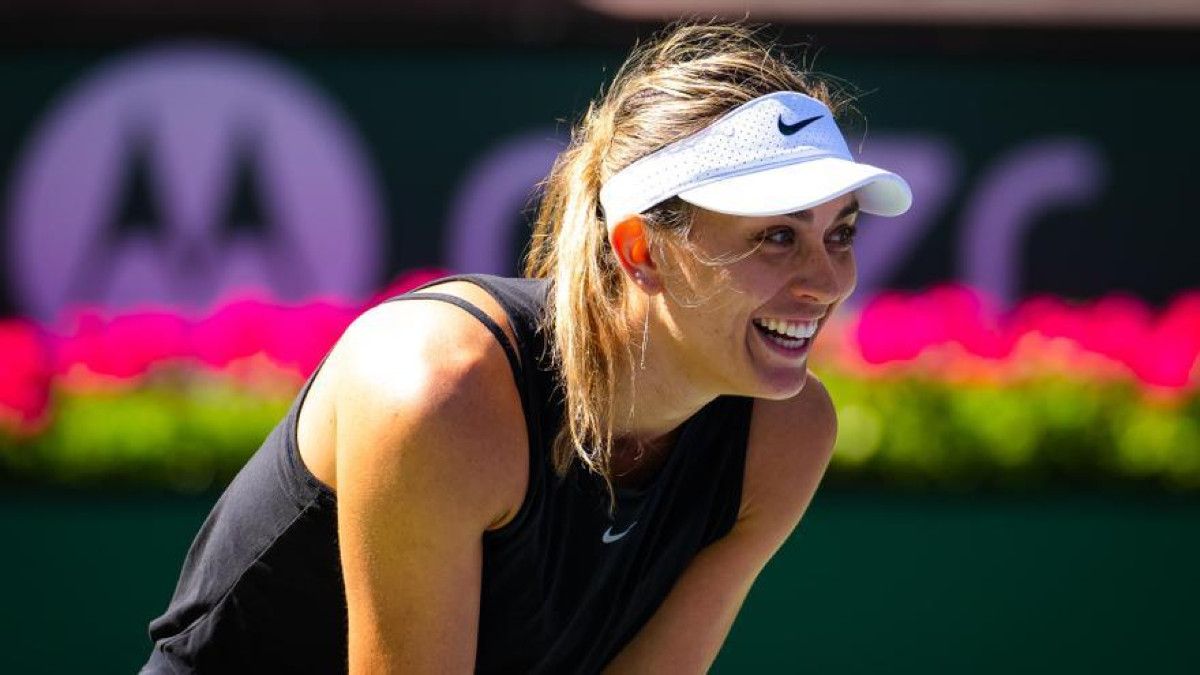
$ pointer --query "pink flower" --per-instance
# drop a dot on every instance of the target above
(125, 346)
(1166, 355)
(951, 332)
(237, 330)
(1117, 327)
(888, 330)
(24, 375)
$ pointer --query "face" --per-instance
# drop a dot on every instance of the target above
(749, 295)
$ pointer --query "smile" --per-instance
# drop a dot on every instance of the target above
(787, 335)
(788, 327)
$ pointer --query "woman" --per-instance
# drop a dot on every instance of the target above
(584, 469)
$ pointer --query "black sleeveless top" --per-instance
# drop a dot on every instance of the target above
(564, 586)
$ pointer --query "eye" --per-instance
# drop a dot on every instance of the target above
(782, 237)
(842, 237)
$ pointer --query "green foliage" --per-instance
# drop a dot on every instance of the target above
(184, 436)
(187, 432)
(923, 432)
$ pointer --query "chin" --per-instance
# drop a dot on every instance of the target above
(781, 385)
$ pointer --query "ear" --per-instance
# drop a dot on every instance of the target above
(629, 242)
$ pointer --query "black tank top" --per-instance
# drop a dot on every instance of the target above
(564, 586)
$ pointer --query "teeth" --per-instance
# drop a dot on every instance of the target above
(794, 329)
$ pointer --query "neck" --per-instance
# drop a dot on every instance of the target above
(656, 395)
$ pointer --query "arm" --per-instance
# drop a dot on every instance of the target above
(418, 385)
(789, 447)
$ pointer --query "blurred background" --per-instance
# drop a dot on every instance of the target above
(197, 197)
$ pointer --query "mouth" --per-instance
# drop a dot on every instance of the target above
(789, 337)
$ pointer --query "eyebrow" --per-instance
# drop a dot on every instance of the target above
(805, 215)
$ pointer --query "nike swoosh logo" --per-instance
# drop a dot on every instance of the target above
(789, 129)
(608, 537)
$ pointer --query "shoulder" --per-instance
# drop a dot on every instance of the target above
(422, 386)
(425, 334)
(788, 449)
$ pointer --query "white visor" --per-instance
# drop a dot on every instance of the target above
(779, 153)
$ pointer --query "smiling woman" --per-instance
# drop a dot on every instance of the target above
(584, 469)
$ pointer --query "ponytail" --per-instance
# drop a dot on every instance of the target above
(570, 248)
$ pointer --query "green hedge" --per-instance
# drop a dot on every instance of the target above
(914, 431)
(191, 431)
(188, 435)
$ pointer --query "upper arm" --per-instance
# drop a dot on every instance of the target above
(419, 385)
(788, 449)
(790, 445)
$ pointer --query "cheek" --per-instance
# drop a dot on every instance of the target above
(849, 274)
(756, 279)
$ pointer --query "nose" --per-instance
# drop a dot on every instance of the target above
(819, 278)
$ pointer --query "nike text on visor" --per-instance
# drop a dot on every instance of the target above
(777, 154)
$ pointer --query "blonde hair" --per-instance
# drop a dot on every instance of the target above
(669, 88)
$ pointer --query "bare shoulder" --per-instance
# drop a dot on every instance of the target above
(430, 452)
(789, 447)
(421, 386)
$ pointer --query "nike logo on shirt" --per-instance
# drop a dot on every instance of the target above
(608, 537)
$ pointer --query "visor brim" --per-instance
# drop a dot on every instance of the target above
(803, 185)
